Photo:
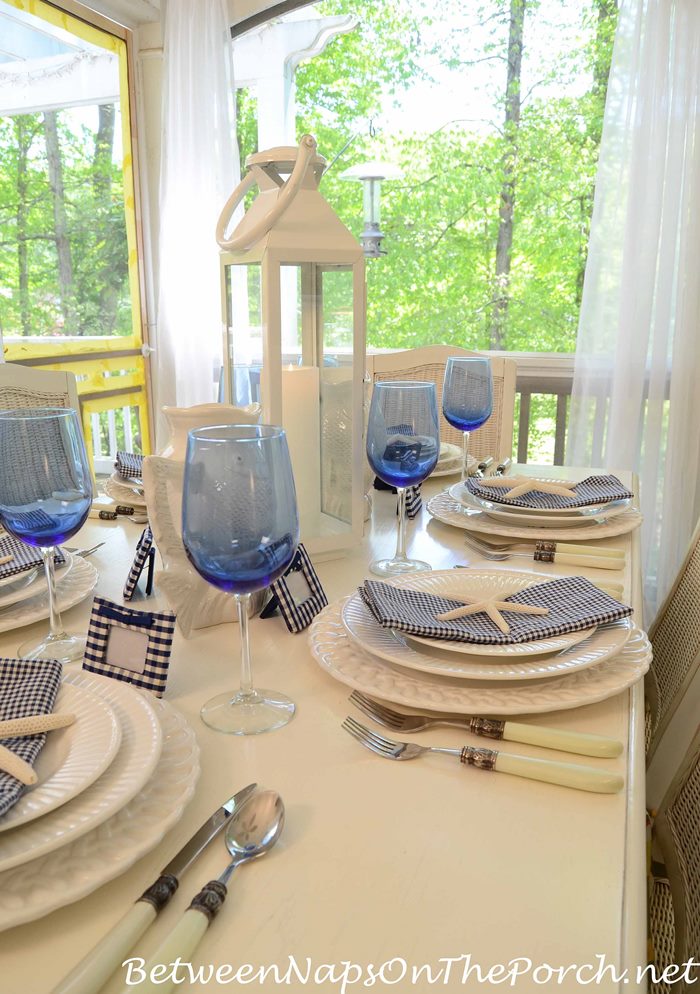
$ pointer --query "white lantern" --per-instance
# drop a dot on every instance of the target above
(293, 289)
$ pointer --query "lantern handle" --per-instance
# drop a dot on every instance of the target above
(246, 239)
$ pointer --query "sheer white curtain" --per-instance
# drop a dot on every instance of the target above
(199, 170)
(636, 393)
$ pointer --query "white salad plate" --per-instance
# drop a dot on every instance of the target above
(71, 590)
(396, 647)
(555, 511)
(445, 508)
(34, 583)
(537, 518)
(478, 583)
(80, 867)
(72, 758)
(124, 493)
(130, 769)
(450, 461)
(346, 661)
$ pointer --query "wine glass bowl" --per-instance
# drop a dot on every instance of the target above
(467, 397)
(403, 445)
(240, 529)
(45, 498)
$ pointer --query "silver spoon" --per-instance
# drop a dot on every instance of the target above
(252, 832)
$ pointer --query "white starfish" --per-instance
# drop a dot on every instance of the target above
(491, 606)
(519, 485)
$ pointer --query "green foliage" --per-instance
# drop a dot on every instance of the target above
(437, 284)
(98, 300)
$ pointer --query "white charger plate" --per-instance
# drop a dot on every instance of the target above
(478, 583)
(445, 508)
(72, 758)
(35, 584)
(33, 890)
(398, 648)
(73, 589)
(344, 660)
(453, 465)
(122, 780)
(123, 493)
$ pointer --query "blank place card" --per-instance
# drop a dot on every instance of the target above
(128, 645)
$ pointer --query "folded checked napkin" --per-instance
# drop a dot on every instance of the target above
(130, 465)
(573, 604)
(592, 490)
(27, 686)
(24, 556)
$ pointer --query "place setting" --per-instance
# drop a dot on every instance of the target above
(539, 508)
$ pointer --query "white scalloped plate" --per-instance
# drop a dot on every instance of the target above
(73, 757)
(123, 493)
(486, 582)
(451, 512)
(80, 582)
(345, 661)
(141, 745)
(31, 891)
(37, 584)
(395, 647)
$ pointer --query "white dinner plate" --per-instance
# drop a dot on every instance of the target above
(475, 583)
(445, 508)
(35, 583)
(122, 780)
(73, 757)
(46, 883)
(531, 517)
(346, 661)
(398, 648)
(76, 586)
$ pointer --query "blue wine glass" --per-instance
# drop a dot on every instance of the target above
(403, 445)
(240, 529)
(467, 397)
(45, 497)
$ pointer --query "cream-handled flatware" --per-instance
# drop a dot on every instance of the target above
(34, 724)
(503, 466)
(95, 969)
(251, 833)
(582, 548)
(581, 743)
(4, 560)
(564, 559)
(563, 774)
(480, 471)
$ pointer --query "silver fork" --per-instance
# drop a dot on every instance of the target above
(542, 552)
(549, 738)
(564, 774)
(83, 552)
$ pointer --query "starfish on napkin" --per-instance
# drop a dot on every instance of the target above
(519, 485)
(491, 606)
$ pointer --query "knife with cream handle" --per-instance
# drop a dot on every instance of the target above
(34, 724)
(93, 971)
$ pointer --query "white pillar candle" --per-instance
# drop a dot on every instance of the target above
(301, 421)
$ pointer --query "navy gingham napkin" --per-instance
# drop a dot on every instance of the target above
(573, 602)
(24, 556)
(130, 465)
(27, 687)
(592, 490)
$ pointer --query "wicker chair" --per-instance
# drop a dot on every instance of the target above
(24, 386)
(495, 438)
(674, 891)
(675, 639)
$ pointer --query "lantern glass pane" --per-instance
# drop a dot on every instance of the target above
(244, 332)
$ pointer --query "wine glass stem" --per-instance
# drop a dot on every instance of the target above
(401, 534)
(55, 623)
(465, 456)
(246, 671)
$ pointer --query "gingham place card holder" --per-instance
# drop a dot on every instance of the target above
(145, 553)
(128, 645)
(298, 594)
